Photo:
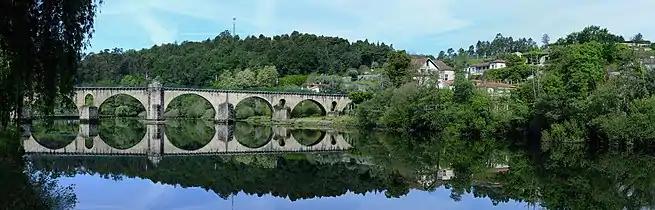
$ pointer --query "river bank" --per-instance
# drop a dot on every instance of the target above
(327, 122)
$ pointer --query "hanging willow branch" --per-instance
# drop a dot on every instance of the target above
(41, 43)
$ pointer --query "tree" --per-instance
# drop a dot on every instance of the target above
(545, 39)
(461, 52)
(471, 51)
(513, 59)
(397, 66)
(129, 80)
(359, 97)
(591, 34)
(463, 89)
(442, 55)
(266, 76)
(638, 38)
(353, 73)
(244, 79)
(42, 42)
(450, 52)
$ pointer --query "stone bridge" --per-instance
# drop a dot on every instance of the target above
(156, 99)
(155, 144)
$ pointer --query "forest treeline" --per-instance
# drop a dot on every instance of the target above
(199, 63)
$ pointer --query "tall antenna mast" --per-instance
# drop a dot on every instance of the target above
(234, 25)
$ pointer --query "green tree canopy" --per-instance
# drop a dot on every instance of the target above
(41, 44)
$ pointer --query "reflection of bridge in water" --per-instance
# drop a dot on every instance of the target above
(155, 144)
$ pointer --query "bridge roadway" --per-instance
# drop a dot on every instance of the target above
(156, 98)
(155, 144)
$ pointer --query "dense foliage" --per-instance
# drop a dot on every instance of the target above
(197, 64)
(587, 90)
(40, 46)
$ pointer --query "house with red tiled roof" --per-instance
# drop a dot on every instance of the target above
(428, 69)
(479, 68)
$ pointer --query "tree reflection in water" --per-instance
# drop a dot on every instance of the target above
(554, 175)
(27, 187)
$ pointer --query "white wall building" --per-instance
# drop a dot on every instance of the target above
(428, 69)
(478, 69)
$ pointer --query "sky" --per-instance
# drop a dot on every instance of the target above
(143, 194)
(418, 26)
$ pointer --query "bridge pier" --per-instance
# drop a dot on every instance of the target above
(88, 130)
(155, 133)
(155, 101)
(224, 132)
(88, 113)
(224, 113)
(281, 114)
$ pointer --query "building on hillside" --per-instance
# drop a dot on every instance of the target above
(426, 69)
(645, 44)
(313, 87)
(369, 77)
(480, 68)
(649, 62)
(493, 88)
(445, 174)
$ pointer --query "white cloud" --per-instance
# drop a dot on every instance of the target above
(158, 33)
(144, 16)
(392, 19)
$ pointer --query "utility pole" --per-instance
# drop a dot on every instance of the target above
(234, 25)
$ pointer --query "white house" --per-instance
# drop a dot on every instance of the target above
(428, 68)
(478, 69)
(313, 87)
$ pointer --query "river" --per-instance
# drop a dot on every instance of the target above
(193, 164)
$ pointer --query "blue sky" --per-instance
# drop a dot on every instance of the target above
(94, 192)
(419, 26)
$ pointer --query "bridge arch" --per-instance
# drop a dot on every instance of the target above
(189, 137)
(122, 134)
(63, 107)
(253, 136)
(55, 135)
(307, 137)
(208, 108)
(122, 105)
(253, 102)
(307, 108)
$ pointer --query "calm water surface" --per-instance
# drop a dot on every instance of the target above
(125, 164)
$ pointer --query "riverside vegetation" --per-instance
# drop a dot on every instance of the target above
(576, 135)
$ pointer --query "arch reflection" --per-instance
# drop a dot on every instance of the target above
(132, 138)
